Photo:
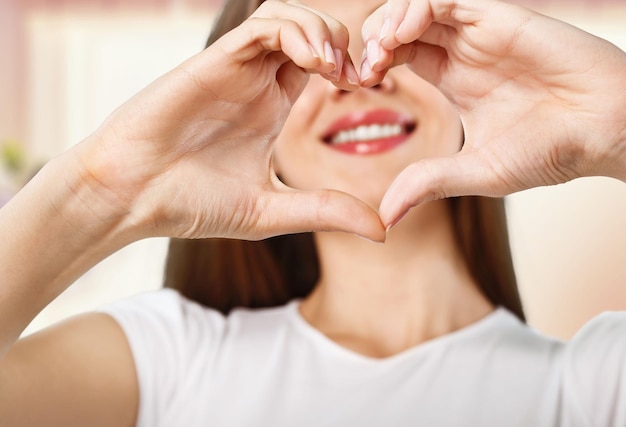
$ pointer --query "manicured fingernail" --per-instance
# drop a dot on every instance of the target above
(329, 54)
(384, 31)
(400, 30)
(339, 59)
(395, 221)
(350, 71)
(373, 53)
(371, 240)
(314, 52)
(366, 70)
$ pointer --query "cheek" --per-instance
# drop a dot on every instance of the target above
(293, 158)
(295, 151)
(441, 131)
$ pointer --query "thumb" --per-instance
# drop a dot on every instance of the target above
(439, 178)
(323, 210)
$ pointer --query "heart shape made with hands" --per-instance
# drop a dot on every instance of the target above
(528, 121)
(514, 112)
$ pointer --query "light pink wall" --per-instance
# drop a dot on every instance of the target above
(11, 85)
(13, 88)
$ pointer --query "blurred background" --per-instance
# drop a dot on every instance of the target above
(66, 64)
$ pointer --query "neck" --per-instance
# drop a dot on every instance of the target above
(382, 299)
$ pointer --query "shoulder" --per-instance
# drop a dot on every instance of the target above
(602, 330)
(165, 314)
(506, 332)
(594, 370)
(183, 349)
(509, 353)
(83, 361)
(600, 345)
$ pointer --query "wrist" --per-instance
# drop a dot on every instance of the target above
(104, 192)
(56, 228)
(86, 201)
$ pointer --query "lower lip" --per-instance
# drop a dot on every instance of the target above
(374, 146)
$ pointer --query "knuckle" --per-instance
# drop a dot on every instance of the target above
(317, 25)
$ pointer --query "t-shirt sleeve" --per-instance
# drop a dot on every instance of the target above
(172, 339)
(594, 376)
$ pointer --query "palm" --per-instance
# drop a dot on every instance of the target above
(528, 105)
(196, 146)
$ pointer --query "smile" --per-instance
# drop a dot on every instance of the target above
(369, 132)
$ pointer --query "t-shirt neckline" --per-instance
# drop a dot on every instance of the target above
(492, 320)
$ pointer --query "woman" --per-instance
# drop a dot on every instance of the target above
(223, 274)
(391, 334)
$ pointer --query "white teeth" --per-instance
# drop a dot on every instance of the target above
(367, 133)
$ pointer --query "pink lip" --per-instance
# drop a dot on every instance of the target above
(364, 118)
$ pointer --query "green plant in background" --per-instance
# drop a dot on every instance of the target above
(12, 155)
(12, 167)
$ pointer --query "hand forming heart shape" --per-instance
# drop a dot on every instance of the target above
(190, 156)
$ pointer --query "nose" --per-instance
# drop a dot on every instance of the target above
(387, 85)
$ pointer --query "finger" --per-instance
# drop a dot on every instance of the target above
(378, 58)
(405, 21)
(417, 17)
(441, 35)
(370, 77)
(323, 210)
(433, 179)
(426, 60)
(292, 78)
(397, 19)
(349, 79)
(262, 36)
(373, 25)
(386, 21)
(327, 36)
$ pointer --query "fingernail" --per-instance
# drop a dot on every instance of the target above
(373, 54)
(339, 60)
(400, 30)
(351, 75)
(384, 31)
(371, 240)
(395, 221)
(314, 52)
(366, 71)
(329, 53)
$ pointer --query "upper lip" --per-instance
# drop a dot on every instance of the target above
(369, 117)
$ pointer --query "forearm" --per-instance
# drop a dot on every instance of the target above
(55, 229)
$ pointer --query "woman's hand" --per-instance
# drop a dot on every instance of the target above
(190, 156)
(541, 101)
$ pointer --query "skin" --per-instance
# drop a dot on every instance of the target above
(379, 300)
(191, 157)
(561, 126)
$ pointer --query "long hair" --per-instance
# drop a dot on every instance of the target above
(224, 273)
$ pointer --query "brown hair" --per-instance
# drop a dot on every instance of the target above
(223, 274)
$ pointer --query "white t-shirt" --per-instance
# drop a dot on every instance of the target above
(269, 367)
